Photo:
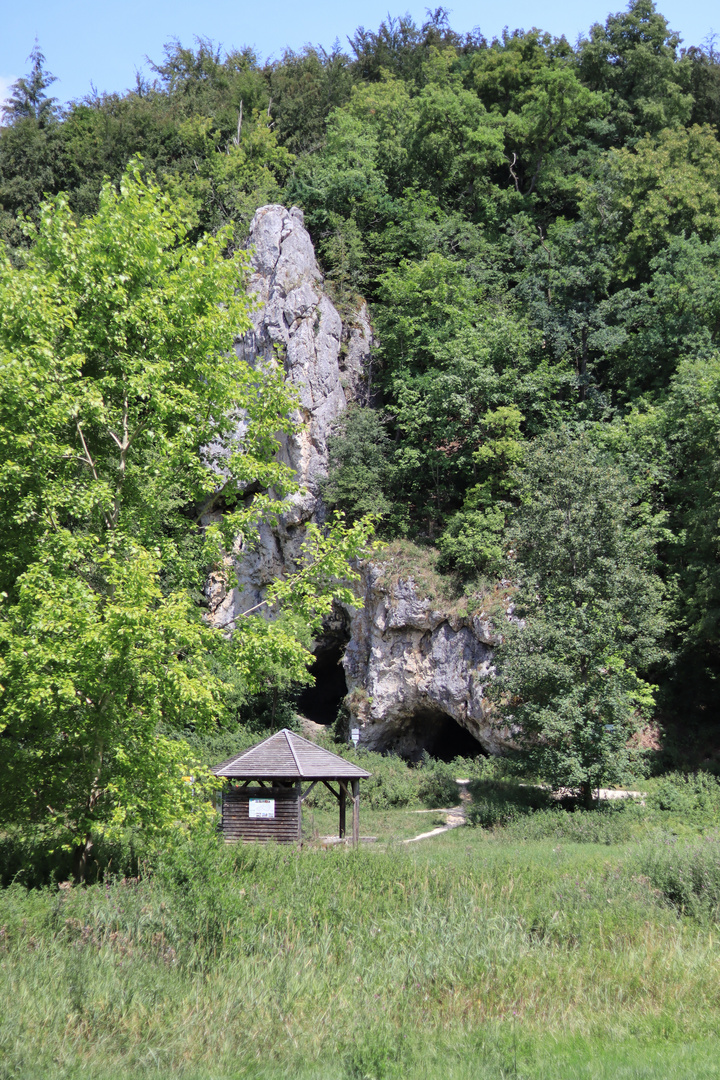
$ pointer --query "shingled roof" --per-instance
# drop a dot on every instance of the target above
(288, 755)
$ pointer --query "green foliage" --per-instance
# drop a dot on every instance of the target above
(569, 685)
(118, 431)
(524, 812)
(360, 466)
(634, 58)
(460, 370)
(665, 186)
(534, 224)
(616, 823)
(472, 542)
(694, 797)
(555, 932)
(502, 802)
(28, 100)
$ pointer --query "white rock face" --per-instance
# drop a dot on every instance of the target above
(408, 665)
(323, 361)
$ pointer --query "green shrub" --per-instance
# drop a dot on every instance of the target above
(695, 797)
(393, 783)
(471, 542)
(437, 783)
(526, 812)
(44, 857)
(686, 875)
(499, 803)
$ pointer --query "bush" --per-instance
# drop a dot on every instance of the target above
(695, 797)
(393, 783)
(499, 803)
(686, 875)
(45, 857)
(525, 812)
(437, 783)
(471, 542)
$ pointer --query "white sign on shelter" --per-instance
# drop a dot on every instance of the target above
(261, 808)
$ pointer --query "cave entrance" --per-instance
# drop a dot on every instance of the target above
(434, 732)
(320, 703)
(447, 740)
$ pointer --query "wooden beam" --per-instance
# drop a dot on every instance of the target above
(356, 812)
(328, 786)
(298, 793)
(308, 790)
(343, 801)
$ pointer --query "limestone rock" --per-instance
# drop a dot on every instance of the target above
(408, 665)
(323, 361)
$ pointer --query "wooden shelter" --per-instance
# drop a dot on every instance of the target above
(265, 797)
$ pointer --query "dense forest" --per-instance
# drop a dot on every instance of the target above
(536, 228)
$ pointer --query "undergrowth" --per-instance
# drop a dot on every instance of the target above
(452, 960)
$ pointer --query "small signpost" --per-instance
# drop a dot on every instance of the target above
(355, 735)
(261, 808)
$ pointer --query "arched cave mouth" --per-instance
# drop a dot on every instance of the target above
(434, 732)
(320, 703)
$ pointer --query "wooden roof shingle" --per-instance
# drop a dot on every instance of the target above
(288, 756)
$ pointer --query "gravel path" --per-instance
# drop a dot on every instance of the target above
(454, 816)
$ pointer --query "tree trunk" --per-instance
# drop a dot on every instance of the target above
(81, 858)
(587, 795)
(582, 369)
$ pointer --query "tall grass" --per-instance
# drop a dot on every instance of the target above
(452, 961)
(686, 875)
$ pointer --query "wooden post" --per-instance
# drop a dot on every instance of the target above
(356, 812)
(343, 801)
(298, 794)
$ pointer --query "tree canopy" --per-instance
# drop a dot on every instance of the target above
(535, 227)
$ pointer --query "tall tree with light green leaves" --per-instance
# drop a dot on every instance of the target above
(125, 416)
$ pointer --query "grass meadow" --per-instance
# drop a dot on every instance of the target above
(483, 952)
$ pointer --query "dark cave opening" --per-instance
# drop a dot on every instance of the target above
(320, 703)
(447, 739)
(434, 732)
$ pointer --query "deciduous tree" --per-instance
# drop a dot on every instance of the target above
(125, 416)
(572, 682)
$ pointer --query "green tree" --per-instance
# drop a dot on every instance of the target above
(634, 57)
(125, 417)
(472, 540)
(687, 424)
(667, 186)
(304, 88)
(449, 355)
(360, 468)
(28, 100)
(30, 148)
(587, 619)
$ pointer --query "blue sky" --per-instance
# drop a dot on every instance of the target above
(102, 44)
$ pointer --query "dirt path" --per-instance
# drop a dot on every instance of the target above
(454, 816)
